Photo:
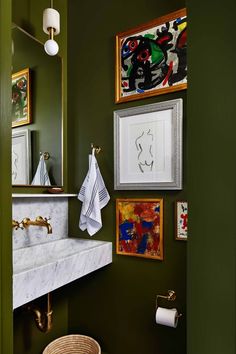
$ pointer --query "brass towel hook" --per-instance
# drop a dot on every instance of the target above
(45, 155)
(97, 148)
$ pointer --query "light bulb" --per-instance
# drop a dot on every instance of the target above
(51, 47)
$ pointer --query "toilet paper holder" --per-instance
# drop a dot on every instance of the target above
(171, 296)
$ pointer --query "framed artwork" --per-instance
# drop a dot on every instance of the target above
(148, 147)
(21, 157)
(181, 208)
(139, 227)
(151, 58)
(21, 98)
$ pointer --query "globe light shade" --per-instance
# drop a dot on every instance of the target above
(51, 47)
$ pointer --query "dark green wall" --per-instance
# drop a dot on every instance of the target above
(211, 172)
(5, 180)
(116, 305)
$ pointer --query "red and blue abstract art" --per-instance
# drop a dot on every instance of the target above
(139, 227)
(152, 58)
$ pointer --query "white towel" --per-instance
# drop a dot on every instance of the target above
(94, 196)
(41, 177)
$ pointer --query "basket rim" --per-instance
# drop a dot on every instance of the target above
(71, 336)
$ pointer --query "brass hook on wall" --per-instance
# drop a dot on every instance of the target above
(97, 148)
(45, 155)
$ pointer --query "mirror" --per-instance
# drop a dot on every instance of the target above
(36, 113)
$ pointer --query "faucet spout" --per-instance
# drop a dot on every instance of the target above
(39, 221)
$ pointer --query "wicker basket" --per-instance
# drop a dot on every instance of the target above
(73, 344)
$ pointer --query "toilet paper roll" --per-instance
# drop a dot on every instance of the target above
(167, 317)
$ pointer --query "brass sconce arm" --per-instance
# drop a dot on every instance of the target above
(39, 221)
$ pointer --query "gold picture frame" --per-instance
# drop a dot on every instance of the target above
(139, 228)
(151, 58)
(21, 98)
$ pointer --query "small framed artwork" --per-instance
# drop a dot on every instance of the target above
(151, 58)
(148, 147)
(139, 227)
(21, 98)
(181, 208)
(21, 157)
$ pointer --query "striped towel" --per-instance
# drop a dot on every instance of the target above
(41, 177)
(94, 196)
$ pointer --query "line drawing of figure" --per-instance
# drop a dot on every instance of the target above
(144, 146)
(15, 160)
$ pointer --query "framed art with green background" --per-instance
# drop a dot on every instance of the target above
(21, 98)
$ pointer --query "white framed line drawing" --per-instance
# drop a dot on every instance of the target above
(21, 157)
(148, 146)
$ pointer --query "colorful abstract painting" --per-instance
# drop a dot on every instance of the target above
(21, 105)
(139, 227)
(151, 59)
(181, 220)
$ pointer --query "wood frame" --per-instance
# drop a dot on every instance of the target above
(165, 53)
(21, 91)
(139, 228)
(181, 222)
(164, 122)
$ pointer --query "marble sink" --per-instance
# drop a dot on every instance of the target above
(42, 268)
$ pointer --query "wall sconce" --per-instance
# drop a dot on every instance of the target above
(51, 26)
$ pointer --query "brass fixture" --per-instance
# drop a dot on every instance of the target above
(16, 224)
(43, 319)
(170, 297)
(97, 148)
(39, 221)
(45, 155)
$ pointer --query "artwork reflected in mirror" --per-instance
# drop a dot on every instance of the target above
(21, 157)
(21, 112)
(37, 109)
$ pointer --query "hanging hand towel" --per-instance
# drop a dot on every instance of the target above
(94, 196)
(41, 177)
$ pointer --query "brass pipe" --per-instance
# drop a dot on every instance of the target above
(43, 320)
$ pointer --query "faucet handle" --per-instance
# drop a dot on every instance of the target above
(40, 218)
(17, 225)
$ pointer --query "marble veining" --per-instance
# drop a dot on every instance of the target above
(40, 269)
(55, 208)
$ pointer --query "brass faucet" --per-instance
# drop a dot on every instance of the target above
(39, 221)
